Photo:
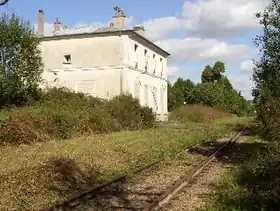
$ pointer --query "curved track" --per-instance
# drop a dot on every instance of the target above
(122, 193)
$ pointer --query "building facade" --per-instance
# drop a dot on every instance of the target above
(105, 62)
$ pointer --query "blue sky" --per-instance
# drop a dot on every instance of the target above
(196, 32)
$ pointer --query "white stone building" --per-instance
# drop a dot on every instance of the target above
(106, 61)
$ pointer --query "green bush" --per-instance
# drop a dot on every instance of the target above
(20, 64)
(218, 95)
(62, 114)
(270, 116)
(129, 113)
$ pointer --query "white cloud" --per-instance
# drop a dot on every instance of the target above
(160, 27)
(222, 18)
(173, 70)
(196, 49)
(209, 19)
(242, 83)
(247, 66)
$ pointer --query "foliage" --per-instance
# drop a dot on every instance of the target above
(215, 90)
(179, 92)
(62, 114)
(210, 75)
(254, 184)
(20, 65)
(219, 95)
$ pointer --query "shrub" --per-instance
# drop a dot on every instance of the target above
(18, 130)
(62, 114)
(129, 112)
(197, 113)
(20, 65)
(270, 116)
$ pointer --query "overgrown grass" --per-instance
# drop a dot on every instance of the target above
(254, 183)
(63, 114)
(197, 113)
(34, 176)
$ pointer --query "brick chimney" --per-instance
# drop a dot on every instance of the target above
(118, 18)
(139, 29)
(57, 25)
(41, 23)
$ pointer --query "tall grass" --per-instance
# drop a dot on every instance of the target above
(63, 114)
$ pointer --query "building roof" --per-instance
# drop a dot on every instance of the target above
(95, 30)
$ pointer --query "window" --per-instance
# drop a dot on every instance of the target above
(135, 47)
(162, 99)
(161, 65)
(146, 95)
(145, 52)
(67, 59)
(155, 98)
(154, 56)
(137, 90)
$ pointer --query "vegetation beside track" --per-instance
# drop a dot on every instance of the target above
(35, 176)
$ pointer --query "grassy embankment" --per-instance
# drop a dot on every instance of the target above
(37, 175)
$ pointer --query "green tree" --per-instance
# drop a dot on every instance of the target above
(20, 61)
(184, 85)
(175, 97)
(218, 69)
(267, 70)
(207, 75)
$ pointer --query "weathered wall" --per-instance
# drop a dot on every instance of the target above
(102, 82)
(103, 66)
(85, 52)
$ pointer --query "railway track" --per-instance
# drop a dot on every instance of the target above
(140, 189)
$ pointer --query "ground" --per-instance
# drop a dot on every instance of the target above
(34, 176)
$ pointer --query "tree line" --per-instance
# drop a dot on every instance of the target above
(214, 90)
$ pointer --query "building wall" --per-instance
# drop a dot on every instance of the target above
(144, 58)
(149, 90)
(85, 53)
(145, 75)
(99, 82)
(106, 66)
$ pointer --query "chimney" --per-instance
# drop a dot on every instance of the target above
(139, 29)
(64, 27)
(57, 25)
(118, 18)
(41, 23)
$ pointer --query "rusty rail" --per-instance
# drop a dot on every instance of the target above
(182, 182)
(155, 204)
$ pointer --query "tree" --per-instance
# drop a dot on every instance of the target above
(210, 74)
(20, 61)
(175, 97)
(207, 74)
(218, 69)
(267, 70)
(185, 85)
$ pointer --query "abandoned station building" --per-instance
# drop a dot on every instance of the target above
(105, 61)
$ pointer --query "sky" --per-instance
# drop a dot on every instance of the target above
(195, 32)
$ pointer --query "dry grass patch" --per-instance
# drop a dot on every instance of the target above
(197, 113)
(34, 176)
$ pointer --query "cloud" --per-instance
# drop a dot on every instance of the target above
(242, 83)
(161, 27)
(222, 18)
(173, 70)
(247, 66)
(209, 19)
(197, 49)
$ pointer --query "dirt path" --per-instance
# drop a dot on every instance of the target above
(194, 195)
(142, 188)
